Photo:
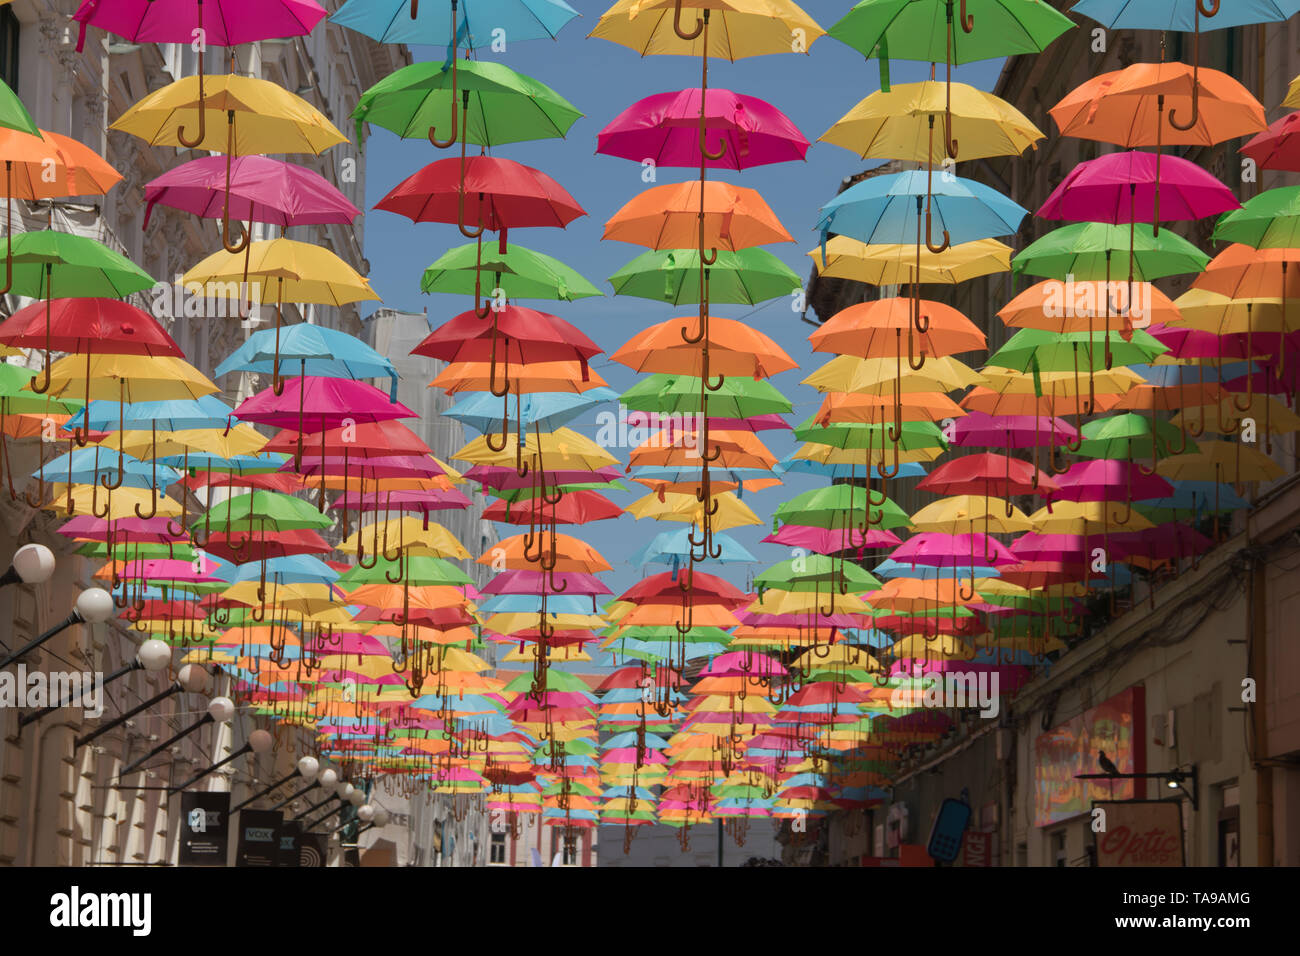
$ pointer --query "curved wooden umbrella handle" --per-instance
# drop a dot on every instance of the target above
(677, 23)
(203, 112)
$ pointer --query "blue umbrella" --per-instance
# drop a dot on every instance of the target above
(310, 350)
(888, 210)
(548, 410)
(628, 739)
(555, 604)
(391, 21)
(889, 568)
(207, 411)
(674, 548)
(89, 465)
(1180, 15)
(291, 569)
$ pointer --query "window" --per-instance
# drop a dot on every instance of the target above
(1058, 848)
(9, 48)
(563, 853)
(497, 849)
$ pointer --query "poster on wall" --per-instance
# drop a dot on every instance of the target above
(205, 833)
(259, 838)
(1114, 726)
(1141, 833)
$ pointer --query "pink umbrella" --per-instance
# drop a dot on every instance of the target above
(1109, 479)
(150, 530)
(1133, 187)
(665, 128)
(272, 190)
(939, 550)
(742, 664)
(829, 541)
(311, 403)
(413, 500)
(1011, 431)
(222, 22)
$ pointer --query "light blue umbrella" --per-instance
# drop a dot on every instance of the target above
(290, 569)
(89, 465)
(889, 568)
(619, 741)
(548, 410)
(674, 548)
(306, 349)
(477, 21)
(532, 603)
(890, 210)
(802, 466)
(1180, 15)
(207, 411)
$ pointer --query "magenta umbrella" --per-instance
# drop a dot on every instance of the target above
(1109, 479)
(743, 664)
(1130, 187)
(223, 22)
(982, 430)
(937, 549)
(273, 191)
(435, 499)
(1171, 540)
(312, 403)
(665, 128)
(829, 541)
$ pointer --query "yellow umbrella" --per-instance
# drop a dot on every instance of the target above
(1218, 460)
(118, 503)
(735, 28)
(127, 378)
(880, 376)
(283, 269)
(678, 506)
(241, 439)
(1088, 517)
(266, 118)
(961, 513)
(410, 535)
(898, 124)
(562, 449)
(888, 264)
(803, 602)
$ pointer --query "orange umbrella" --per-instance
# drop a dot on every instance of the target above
(875, 330)
(575, 555)
(877, 409)
(734, 349)
(48, 166)
(1073, 307)
(1128, 108)
(533, 377)
(668, 217)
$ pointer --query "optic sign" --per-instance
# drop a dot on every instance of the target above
(205, 835)
(1141, 833)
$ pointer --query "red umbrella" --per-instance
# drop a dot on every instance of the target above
(987, 474)
(576, 507)
(526, 335)
(1278, 147)
(497, 194)
(264, 545)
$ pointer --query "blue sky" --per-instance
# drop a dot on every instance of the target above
(602, 79)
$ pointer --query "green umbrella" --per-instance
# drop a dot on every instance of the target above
(503, 106)
(13, 115)
(1128, 436)
(556, 679)
(415, 570)
(14, 400)
(262, 510)
(739, 397)
(1031, 349)
(1092, 251)
(1270, 220)
(838, 507)
(918, 29)
(746, 277)
(915, 435)
(813, 573)
(520, 273)
(49, 264)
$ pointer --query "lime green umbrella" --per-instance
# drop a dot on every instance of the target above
(520, 273)
(812, 573)
(556, 679)
(13, 115)
(262, 510)
(915, 435)
(143, 550)
(415, 570)
(1031, 349)
(838, 507)
(1128, 436)
(919, 29)
(739, 397)
(49, 264)
(503, 106)
(1092, 251)
(745, 277)
(15, 401)
(1270, 220)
